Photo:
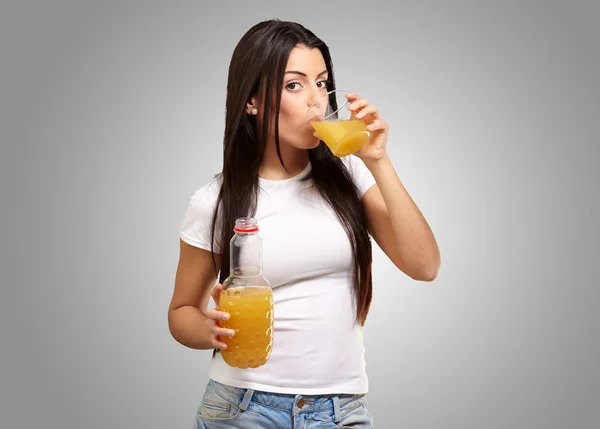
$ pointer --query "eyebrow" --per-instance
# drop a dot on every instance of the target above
(304, 74)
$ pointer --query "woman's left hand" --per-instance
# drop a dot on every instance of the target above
(375, 148)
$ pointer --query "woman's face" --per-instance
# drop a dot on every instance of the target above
(304, 81)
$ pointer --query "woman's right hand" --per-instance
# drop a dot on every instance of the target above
(215, 315)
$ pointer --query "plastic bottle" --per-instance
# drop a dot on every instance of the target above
(248, 298)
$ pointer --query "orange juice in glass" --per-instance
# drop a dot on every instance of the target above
(336, 127)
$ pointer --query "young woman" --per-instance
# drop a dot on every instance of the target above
(316, 213)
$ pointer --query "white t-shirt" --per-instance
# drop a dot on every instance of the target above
(307, 258)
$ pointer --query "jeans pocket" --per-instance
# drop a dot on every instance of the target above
(215, 407)
(356, 416)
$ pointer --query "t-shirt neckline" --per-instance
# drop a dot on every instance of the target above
(283, 182)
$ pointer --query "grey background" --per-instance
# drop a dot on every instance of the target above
(112, 115)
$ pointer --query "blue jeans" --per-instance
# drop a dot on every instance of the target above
(225, 406)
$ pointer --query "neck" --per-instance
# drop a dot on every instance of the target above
(295, 161)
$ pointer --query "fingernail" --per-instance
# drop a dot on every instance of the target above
(231, 333)
(226, 316)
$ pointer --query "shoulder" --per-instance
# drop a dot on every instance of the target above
(362, 177)
(197, 221)
(356, 167)
(350, 161)
(206, 196)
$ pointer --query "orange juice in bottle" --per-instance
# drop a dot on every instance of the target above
(248, 298)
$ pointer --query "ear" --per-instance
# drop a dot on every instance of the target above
(252, 106)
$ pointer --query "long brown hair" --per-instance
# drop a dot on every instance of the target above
(257, 68)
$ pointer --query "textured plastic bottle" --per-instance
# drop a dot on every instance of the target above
(248, 298)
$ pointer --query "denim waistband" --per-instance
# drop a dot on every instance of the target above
(296, 404)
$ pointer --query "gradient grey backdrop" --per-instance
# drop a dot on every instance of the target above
(113, 113)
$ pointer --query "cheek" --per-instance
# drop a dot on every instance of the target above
(291, 114)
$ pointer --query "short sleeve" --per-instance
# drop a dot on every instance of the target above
(360, 173)
(196, 227)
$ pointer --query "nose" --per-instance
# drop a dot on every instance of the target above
(313, 96)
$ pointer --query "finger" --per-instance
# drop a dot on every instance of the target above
(368, 110)
(213, 314)
(216, 344)
(216, 293)
(356, 105)
(217, 331)
(352, 96)
(378, 125)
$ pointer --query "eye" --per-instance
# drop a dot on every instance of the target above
(324, 83)
(291, 85)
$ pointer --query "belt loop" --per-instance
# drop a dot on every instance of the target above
(295, 409)
(247, 399)
(337, 414)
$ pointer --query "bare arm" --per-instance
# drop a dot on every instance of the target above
(394, 219)
(398, 226)
(191, 322)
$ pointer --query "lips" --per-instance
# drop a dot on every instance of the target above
(316, 118)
